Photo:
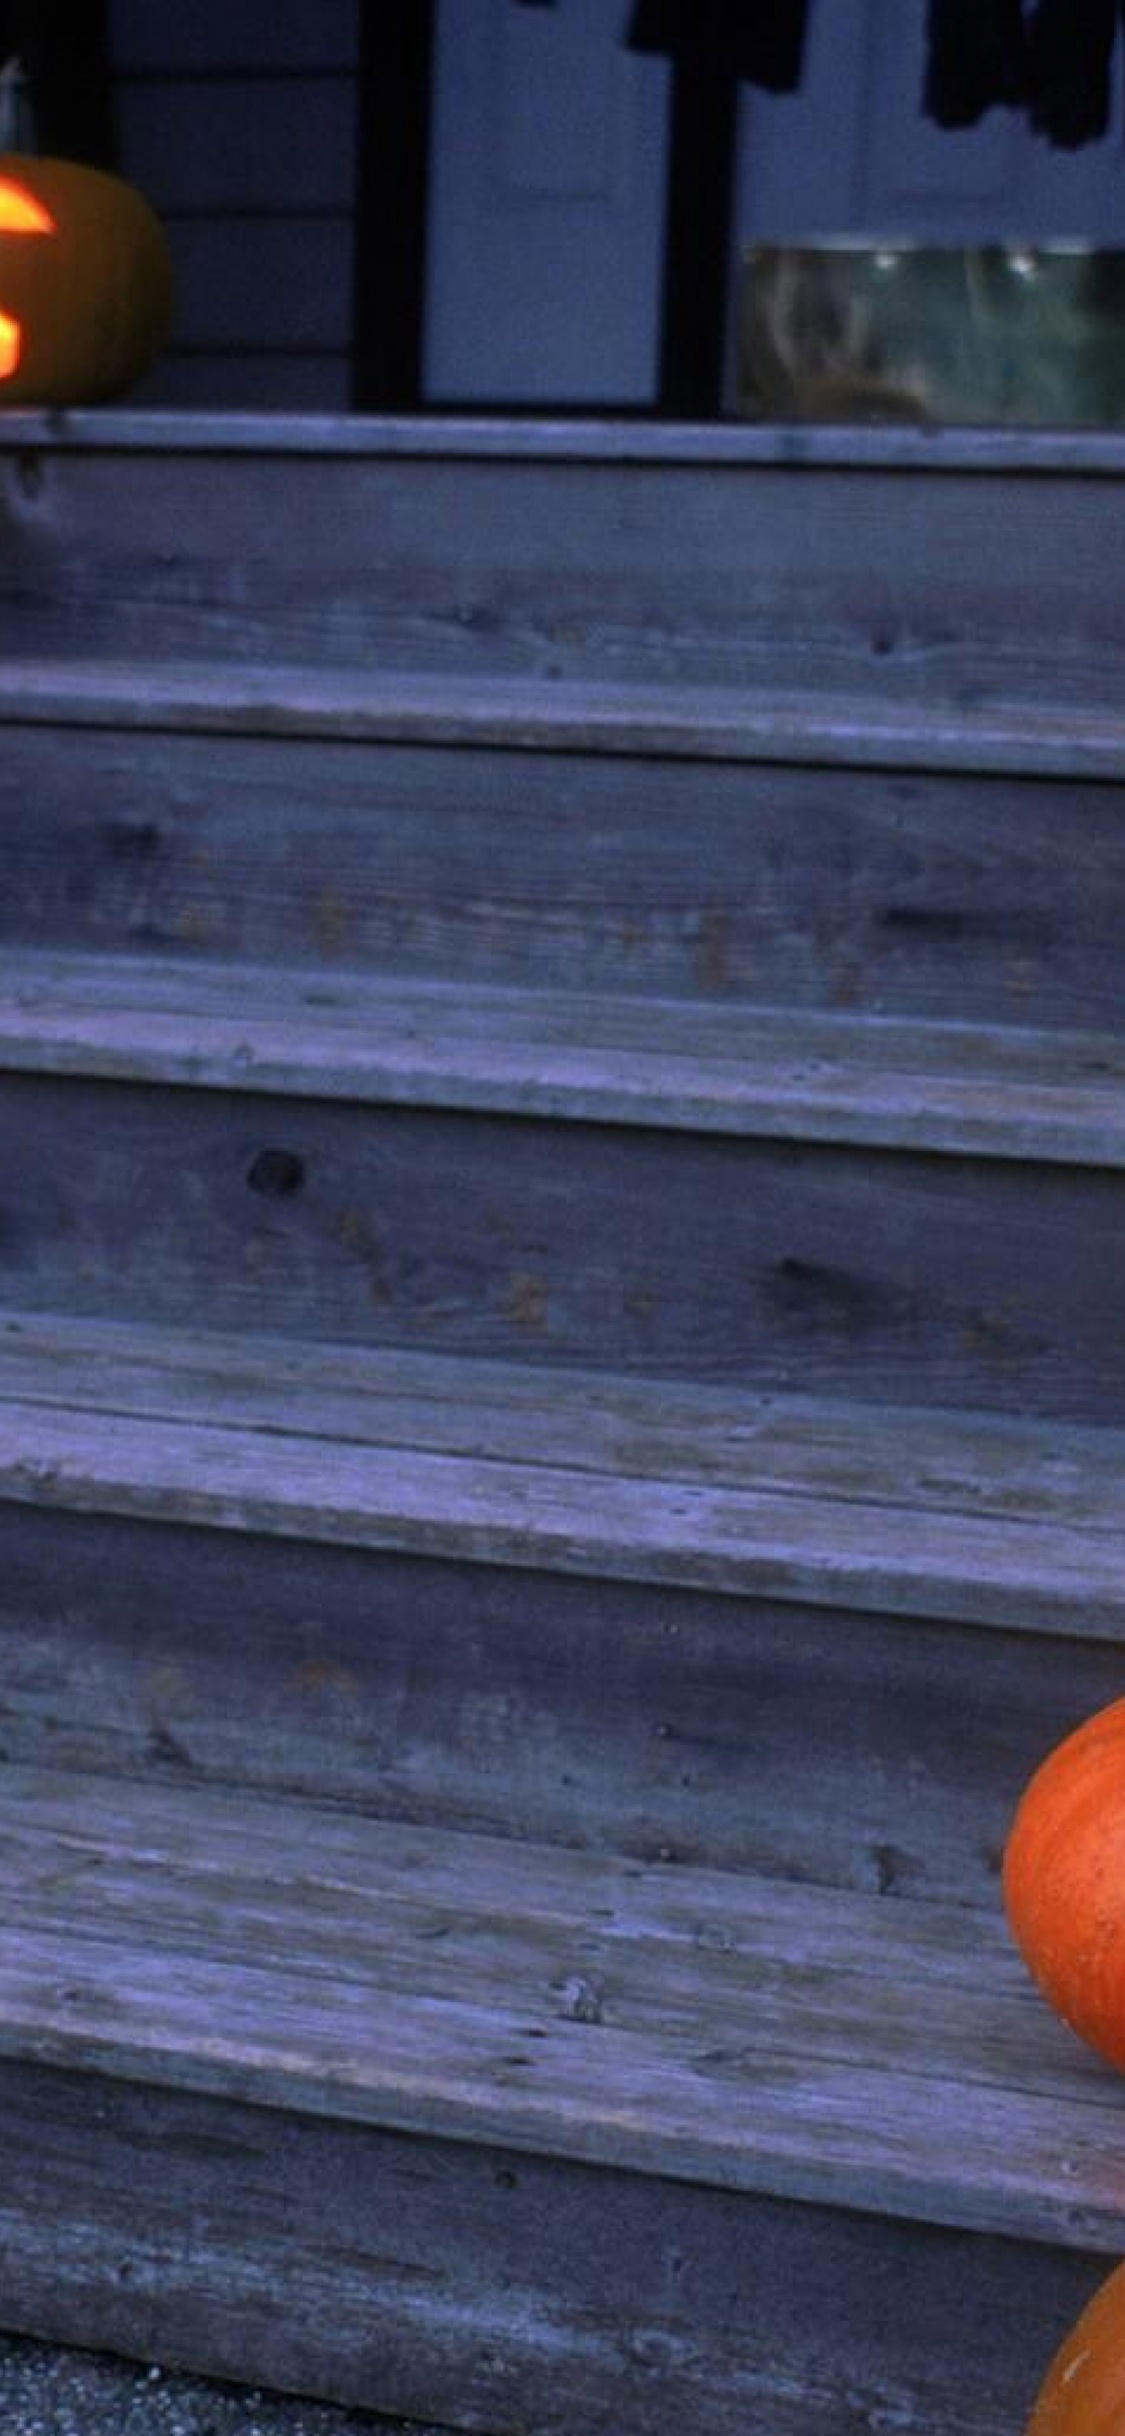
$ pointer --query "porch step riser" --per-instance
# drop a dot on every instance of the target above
(898, 894)
(893, 1278)
(490, 2289)
(956, 584)
(743, 1734)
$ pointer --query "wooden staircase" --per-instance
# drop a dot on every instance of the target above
(562, 1327)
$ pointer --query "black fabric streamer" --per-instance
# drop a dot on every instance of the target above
(761, 45)
(761, 41)
(976, 57)
(1052, 59)
(1070, 51)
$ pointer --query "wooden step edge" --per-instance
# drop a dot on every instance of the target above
(887, 1553)
(757, 723)
(663, 1429)
(578, 440)
(643, 2022)
(869, 1082)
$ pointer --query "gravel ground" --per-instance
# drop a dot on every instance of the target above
(45, 2391)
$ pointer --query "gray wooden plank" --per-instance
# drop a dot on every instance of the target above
(537, 1938)
(669, 1429)
(776, 724)
(842, 1271)
(739, 2059)
(581, 439)
(820, 1744)
(1001, 1092)
(889, 1512)
(942, 585)
(500, 2289)
(334, 1894)
(868, 891)
(832, 2133)
(754, 1543)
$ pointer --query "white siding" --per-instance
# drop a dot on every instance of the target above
(239, 124)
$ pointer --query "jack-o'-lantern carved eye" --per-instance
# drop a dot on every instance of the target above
(22, 213)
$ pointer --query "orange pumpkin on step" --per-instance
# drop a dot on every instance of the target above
(1064, 1882)
(85, 283)
(1083, 2392)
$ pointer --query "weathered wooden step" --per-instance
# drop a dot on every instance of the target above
(420, 2071)
(588, 846)
(886, 1212)
(749, 723)
(1001, 1092)
(702, 2025)
(952, 569)
(832, 1269)
(893, 1511)
(574, 1608)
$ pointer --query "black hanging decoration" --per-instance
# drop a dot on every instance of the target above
(1053, 60)
(976, 57)
(1070, 54)
(761, 46)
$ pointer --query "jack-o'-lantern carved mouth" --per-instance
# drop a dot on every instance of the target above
(21, 215)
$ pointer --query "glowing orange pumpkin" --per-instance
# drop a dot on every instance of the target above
(85, 283)
(1083, 2392)
(1064, 1880)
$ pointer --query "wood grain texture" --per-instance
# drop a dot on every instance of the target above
(899, 1512)
(999, 1093)
(450, 1800)
(777, 723)
(832, 1269)
(495, 2289)
(661, 2021)
(764, 1545)
(939, 897)
(753, 1733)
(449, 1806)
(945, 586)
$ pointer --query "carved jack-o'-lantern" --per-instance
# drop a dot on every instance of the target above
(85, 283)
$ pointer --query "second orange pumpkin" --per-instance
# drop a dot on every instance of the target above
(1083, 2392)
(1064, 1880)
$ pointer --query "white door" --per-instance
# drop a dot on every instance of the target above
(546, 209)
